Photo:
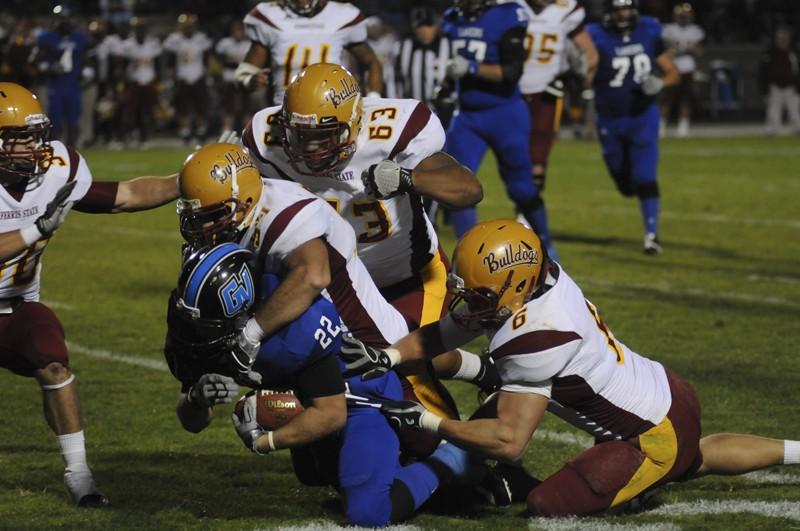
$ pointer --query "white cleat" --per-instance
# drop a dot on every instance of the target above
(83, 491)
(651, 244)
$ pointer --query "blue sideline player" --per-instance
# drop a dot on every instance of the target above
(487, 56)
(216, 290)
(61, 55)
(625, 89)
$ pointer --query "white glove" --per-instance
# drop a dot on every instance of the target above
(652, 85)
(213, 389)
(387, 178)
(247, 428)
(459, 66)
(54, 215)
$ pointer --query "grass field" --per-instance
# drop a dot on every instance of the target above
(720, 306)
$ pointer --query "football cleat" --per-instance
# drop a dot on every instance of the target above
(83, 491)
(651, 244)
(495, 489)
(520, 482)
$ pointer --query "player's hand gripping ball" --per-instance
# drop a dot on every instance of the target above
(273, 408)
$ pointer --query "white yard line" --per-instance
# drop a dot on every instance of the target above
(780, 509)
(765, 476)
(594, 524)
(138, 361)
(332, 526)
(55, 305)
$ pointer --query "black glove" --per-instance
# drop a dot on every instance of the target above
(410, 414)
(363, 359)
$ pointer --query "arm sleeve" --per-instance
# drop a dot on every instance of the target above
(99, 199)
(512, 54)
(321, 378)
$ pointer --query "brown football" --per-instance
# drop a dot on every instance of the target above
(273, 408)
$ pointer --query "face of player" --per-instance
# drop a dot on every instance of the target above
(623, 18)
(24, 155)
(783, 39)
(237, 30)
(305, 8)
(470, 7)
(426, 34)
(318, 149)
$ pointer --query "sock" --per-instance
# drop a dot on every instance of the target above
(73, 450)
(791, 452)
(463, 220)
(537, 219)
(420, 480)
(650, 208)
(470, 366)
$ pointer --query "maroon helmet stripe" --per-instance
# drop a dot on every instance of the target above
(344, 297)
(249, 142)
(280, 223)
(74, 161)
(260, 16)
(416, 123)
(355, 21)
(536, 341)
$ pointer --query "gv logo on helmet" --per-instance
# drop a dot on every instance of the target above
(221, 172)
(522, 256)
(349, 90)
(237, 292)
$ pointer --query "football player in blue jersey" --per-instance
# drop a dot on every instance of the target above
(625, 88)
(487, 56)
(216, 291)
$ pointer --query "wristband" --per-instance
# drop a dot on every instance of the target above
(430, 422)
(271, 441)
(472, 69)
(30, 234)
(253, 331)
(394, 355)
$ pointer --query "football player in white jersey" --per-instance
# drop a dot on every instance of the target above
(373, 160)
(554, 353)
(141, 53)
(231, 50)
(189, 51)
(550, 24)
(288, 35)
(39, 182)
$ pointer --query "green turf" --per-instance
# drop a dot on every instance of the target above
(720, 306)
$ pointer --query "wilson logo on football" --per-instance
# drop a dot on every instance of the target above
(522, 256)
(349, 89)
(279, 404)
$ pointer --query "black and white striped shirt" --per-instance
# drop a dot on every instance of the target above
(419, 68)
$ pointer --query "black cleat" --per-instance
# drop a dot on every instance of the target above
(495, 490)
(519, 481)
(94, 501)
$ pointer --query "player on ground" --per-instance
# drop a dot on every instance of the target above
(375, 177)
(625, 88)
(356, 447)
(554, 353)
(39, 182)
(288, 35)
(189, 51)
(551, 23)
(487, 49)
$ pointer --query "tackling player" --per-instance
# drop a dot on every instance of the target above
(356, 450)
(550, 24)
(373, 160)
(625, 88)
(487, 49)
(556, 354)
(288, 35)
(40, 181)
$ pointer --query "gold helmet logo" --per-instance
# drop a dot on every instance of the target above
(25, 150)
(220, 188)
(497, 265)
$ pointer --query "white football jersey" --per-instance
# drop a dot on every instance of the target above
(109, 47)
(290, 216)
(20, 275)
(683, 40)
(189, 53)
(142, 59)
(557, 346)
(295, 42)
(232, 52)
(395, 237)
(546, 42)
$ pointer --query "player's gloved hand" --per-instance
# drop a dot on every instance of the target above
(242, 354)
(387, 178)
(229, 136)
(368, 361)
(410, 414)
(459, 66)
(246, 427)
(213, 389)
(652, 85)
(54, 215)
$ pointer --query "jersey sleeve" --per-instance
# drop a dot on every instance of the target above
(259, 28)
(355, 30)
(78, 171)
(573, 21)
(421, 137)
(171, 43)
(297, 224)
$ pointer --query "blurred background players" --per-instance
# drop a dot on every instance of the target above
(231, 50)
(289, 35)
(189, 50)
(61, 54)
(779, 78)
(630, 48)
(140, 55)
(487, 50)
(683, 39)
(550, 25)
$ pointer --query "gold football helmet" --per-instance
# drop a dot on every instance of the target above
(321, 118)
(497, 265)
(25, 150)
(220, 188)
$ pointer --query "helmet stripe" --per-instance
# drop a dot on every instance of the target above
(202, 270)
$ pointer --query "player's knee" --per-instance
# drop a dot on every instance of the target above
(368, 511)
(647, 190)
(53, 375)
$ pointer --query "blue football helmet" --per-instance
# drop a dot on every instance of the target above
(621, 15)
(472, 8)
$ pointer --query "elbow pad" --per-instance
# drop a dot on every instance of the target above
(244, 74)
